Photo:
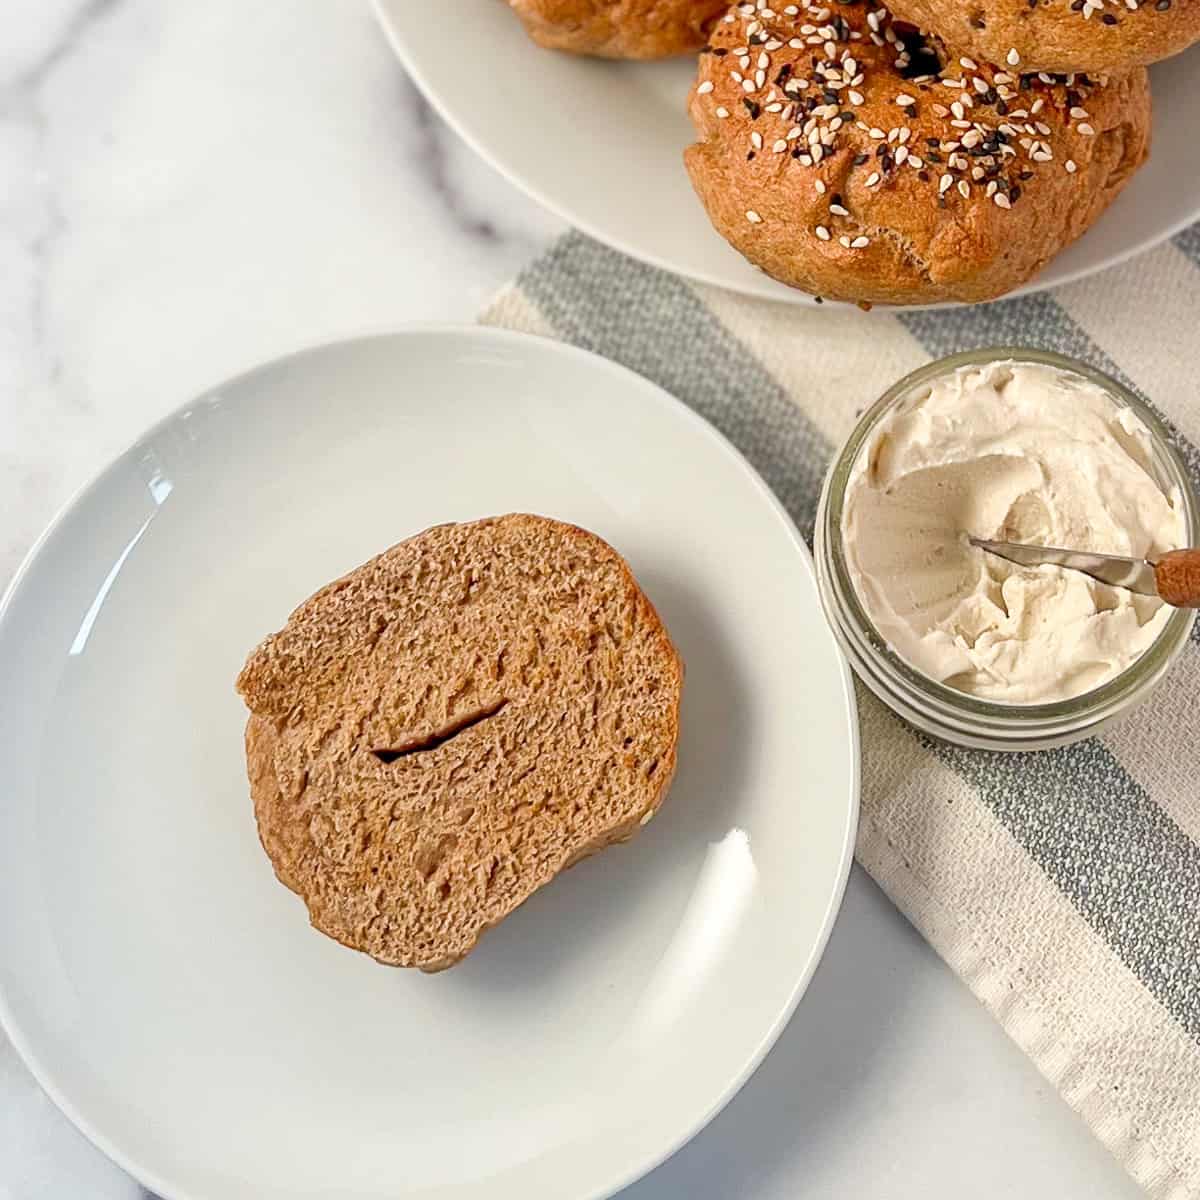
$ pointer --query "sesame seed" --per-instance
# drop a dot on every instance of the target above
(753, 217)
(807, 105)
(859, 242)
(647, 817)
(1070, 166)
(722, 113)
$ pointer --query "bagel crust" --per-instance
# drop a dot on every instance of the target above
(1060, 35)
(857, 161)
(619, 28)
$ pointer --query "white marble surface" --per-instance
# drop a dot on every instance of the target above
(187, 189)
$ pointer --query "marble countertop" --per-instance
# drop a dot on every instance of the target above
(189, 189)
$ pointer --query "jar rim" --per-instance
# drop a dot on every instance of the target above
(950, 710)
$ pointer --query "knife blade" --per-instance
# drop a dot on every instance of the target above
(1174, 577)
(1136, 574)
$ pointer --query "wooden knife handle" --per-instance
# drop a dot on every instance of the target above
(1177, 575)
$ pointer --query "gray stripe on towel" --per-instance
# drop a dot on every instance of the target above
(1124, 864)
(1189, 242)
(1128, 869)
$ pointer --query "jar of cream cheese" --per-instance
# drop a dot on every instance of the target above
(1006, 444)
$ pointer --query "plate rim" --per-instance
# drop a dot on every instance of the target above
(624, 1176)
(785, 296)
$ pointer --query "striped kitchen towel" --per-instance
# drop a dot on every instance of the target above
(1063, 887)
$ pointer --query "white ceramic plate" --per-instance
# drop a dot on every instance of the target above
(168, 992)
(601, 144)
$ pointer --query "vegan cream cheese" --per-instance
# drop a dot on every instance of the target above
(1018, 452)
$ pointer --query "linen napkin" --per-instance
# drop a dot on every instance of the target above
(1062, 886)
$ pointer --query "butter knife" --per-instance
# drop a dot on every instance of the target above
(1174, 578)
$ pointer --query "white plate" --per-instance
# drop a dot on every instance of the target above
(601, 145)
(169, 994)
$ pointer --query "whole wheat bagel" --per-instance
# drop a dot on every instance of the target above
(852, 159)
(438, 734)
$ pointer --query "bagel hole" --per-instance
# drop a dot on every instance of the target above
(923, 55)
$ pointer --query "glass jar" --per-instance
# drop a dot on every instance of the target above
(945, 712)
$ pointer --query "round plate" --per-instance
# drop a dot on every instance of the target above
(601, 144)
(169, 993)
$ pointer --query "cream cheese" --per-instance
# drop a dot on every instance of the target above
(1011, 452)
